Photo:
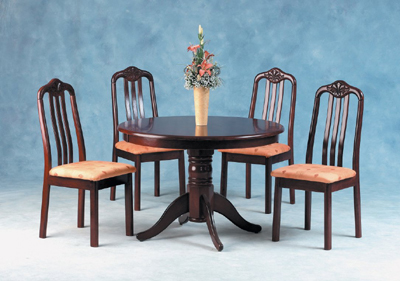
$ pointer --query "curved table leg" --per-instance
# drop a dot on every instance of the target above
(177, 208)
(225, 207)
(205, 205)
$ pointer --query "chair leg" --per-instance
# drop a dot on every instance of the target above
(45, 210)
(248, 180)
(129, 207)
(328, 220)
(81, 208)
(307, 218)
(112, 193)
(292, 190)
(268, 188)
(224, 175)
(157, 178)
(137, 184)
(181, 165)
(276, 222)
(357, 210)
(94, 217)
(113, 189)
(292, 196)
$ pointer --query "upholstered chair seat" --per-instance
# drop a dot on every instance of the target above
(314, 172)
(140, 149)
(268, 150)
(91, 170)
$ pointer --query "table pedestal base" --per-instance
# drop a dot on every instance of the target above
(200, 202)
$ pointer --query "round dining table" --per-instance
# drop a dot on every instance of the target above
(181, 132)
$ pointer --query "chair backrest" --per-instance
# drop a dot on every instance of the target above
(273, 97)
(336, 123)
(133, 95)
(57, 92)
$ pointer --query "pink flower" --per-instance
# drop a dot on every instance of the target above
(205, 67)
(193, 48)
(207, 55)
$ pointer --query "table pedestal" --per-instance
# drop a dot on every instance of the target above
(200, 202)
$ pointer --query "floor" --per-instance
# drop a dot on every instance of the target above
(186, 252)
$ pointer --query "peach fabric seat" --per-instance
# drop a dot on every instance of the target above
(92, 170)
(268, 150)
(314, 172)
(140, 149)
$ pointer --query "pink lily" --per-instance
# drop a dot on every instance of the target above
(193, 48)
(205, 67)
(207, 55)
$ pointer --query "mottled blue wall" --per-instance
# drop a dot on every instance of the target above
(85, 42)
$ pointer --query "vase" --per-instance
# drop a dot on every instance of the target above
(201, 131)
(201, 98)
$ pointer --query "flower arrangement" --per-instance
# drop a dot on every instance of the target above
(203, 72)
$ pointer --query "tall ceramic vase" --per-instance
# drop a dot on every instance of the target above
(201, 98)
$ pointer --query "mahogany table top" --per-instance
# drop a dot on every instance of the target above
(181, 132)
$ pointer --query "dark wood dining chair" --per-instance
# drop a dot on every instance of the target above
(134, 109)
(329, 176)
(267, 154)
(83, 175)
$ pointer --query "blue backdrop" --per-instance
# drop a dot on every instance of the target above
(85, 42)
